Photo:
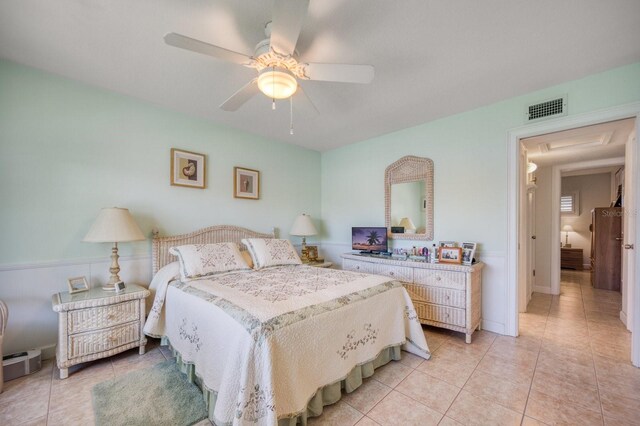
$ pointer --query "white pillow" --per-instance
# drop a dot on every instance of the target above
(201, 260)
(271, 252)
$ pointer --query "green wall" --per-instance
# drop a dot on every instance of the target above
(67, 150)
(469, 151)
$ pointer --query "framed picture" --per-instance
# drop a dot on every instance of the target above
(450, 255)
(448, 244)
(468, 251)
(312, 253)
(77, 284)
(187, 169)
(246, 183)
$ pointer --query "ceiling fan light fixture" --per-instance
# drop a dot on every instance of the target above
(277, 83)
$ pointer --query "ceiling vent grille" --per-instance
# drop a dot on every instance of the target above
(547, 109)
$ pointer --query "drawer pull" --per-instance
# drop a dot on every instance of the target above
(438, 278)
(358, 267)
(391, 273)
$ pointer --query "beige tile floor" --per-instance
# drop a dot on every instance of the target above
(569, 366)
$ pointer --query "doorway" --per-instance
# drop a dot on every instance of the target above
(520, 230)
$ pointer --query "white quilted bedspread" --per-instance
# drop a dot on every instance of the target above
(265, 341)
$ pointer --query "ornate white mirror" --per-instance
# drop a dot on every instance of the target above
(408, 197)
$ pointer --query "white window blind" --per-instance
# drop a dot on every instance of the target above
(569, 204)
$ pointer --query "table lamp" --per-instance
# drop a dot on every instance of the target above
(303, 227)
(409, 227)
(114, 225)
(567, 229)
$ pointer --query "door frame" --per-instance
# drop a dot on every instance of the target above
(514, 171)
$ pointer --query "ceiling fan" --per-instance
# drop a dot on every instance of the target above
(275, 58)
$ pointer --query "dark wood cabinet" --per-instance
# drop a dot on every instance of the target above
(571, 258)
(606, 246)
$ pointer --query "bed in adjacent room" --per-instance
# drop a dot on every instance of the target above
(273, 342)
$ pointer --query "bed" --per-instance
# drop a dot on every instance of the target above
(275, 345)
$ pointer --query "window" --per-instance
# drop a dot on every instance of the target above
(570, 205)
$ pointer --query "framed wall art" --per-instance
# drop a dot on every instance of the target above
(246, 183)
(188, 169)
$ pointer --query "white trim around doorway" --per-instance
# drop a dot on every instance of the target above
(513, 172)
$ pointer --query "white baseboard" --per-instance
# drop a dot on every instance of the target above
(623, 318)
(493, 326)
(541, 289)
(48, 352)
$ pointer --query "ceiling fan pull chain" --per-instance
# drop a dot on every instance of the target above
(291, 115)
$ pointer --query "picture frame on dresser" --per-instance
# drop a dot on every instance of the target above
(448, 244)
(77, 285)
(468, 252)
(450, 255)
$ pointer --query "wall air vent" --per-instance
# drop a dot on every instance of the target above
(547, 109)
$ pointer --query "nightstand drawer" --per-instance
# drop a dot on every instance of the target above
(102, 316)
(436, 295)
(103, 340)
(437, 278)
(442, 314)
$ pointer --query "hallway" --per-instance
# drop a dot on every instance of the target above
(584, 357)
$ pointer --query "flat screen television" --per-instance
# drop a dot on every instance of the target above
(369, 239)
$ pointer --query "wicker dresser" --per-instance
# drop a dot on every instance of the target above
(96, 324)
(444, 295)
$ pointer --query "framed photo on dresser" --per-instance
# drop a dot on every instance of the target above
(468, 251)
(450, 255)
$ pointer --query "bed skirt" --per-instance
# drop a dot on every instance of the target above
(326, 395)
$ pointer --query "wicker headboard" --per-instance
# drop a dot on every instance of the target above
(213, 234)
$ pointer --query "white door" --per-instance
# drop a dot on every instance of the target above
(531, 234)
(629, 231)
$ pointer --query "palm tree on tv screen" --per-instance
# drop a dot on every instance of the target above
(373, 238)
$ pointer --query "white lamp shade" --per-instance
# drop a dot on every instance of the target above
(567, 228)
(407, 224)
(303, 226)
(114, 225)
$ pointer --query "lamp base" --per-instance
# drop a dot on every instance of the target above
(109, 287)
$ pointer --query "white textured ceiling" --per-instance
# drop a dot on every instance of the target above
(596, 142)
(432, 58)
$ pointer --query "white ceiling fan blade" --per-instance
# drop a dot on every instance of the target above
(341, 73)
(286, 24)
(188, 43)
(301, 94)
(241, 96)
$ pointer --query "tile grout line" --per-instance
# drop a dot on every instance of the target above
(535, 368)
(593, 358)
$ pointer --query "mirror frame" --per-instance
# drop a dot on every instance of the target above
(410, 169)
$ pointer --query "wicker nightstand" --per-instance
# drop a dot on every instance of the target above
(96, 324)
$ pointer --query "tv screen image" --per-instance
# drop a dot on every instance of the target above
(369, 238)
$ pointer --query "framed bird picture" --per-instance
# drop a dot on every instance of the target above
(188, 169)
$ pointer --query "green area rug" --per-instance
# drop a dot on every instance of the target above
(160, 395)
